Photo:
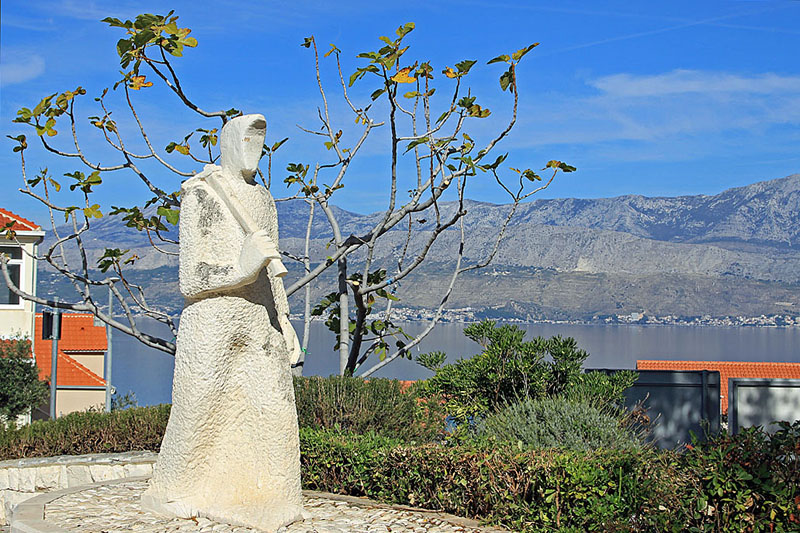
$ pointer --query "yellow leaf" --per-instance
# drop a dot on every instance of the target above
(137, 82)
(182, 149)
(450, 73)
(403, 76)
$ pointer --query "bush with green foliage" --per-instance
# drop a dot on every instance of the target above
(20, 387)
(137, 428)
(511, 369)
(744, 482)
(747, 482)
(559, 423)
(384, 406)
(524, 491)
(346, 404)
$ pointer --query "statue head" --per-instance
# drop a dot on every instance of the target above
(241, 144)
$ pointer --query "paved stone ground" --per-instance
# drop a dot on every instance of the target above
(115, 508)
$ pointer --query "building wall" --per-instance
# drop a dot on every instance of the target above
(93, 361)
(71, 400)
(18, 320)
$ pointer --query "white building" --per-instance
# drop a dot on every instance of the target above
(16, 314)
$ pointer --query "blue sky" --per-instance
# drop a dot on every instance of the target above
(651, 98)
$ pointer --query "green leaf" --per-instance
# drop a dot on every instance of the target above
(464, 66)
(530, 175)
(498, 161)
(114, 22)
(405, 29)
(376, 94)
(307, 42)
(412, 94)
(416, 142)
(466, 102)
(522, 51)
(498, 59)
(278, 144)
(506, 79)
(92, 211)
(172, 215)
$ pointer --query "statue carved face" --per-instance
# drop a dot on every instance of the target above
(241, 144)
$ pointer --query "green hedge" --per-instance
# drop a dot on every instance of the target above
(137, 428)
(748, 482)
(526, 491)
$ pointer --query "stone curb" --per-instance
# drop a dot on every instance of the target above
(28, 516)
(23, 479)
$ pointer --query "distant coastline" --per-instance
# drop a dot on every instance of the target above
(468, 315)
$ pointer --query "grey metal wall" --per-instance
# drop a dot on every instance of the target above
(760, 402)
(677, 403)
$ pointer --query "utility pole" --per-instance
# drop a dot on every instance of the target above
(51, 329)
(109, 329)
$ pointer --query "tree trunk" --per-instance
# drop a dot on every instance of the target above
(344, 317)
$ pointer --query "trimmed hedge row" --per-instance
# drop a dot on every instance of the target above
(748, 482)
(525, 491)
(137, 428)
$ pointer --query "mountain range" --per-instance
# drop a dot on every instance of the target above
(736, 253)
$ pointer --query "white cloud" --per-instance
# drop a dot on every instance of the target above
(694, 81)
(677, 108)
(20, 68)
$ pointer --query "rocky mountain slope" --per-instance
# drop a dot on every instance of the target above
(734, 253)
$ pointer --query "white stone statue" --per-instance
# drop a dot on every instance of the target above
(231, 451)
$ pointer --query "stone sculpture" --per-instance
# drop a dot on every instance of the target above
(231, 451)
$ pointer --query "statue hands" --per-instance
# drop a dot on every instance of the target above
(258, 250)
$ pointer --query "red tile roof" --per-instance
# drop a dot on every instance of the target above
(728, 369)
(21, 223)
(78, 334)
(70, 372)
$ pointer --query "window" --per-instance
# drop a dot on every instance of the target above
(14, 254)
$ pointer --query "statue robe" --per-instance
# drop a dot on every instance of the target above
(231, 449)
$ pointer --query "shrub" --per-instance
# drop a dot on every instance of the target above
(355, 405)
(559, 423)
(510, 369)
(137, 428)
(525, 491)
(598, 388)
(20, 388)
(745, 482)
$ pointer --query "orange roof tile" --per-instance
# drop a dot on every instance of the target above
(78, 334)
(21, 223)
(728, 369)
(70, 372)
